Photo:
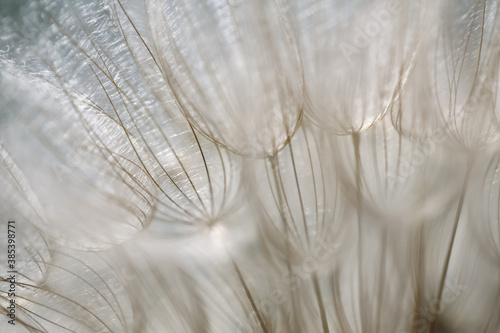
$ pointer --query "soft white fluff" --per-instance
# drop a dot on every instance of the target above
(251, 166)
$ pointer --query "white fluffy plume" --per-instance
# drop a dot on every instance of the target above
(250, 166)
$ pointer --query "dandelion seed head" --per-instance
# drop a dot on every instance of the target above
(251, 166)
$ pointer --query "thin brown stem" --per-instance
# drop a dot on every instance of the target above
(450, 246)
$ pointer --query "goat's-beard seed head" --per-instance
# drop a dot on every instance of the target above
(235, 71)
(396, 176)
(251, 166)
(356, 59)
(298, 198)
